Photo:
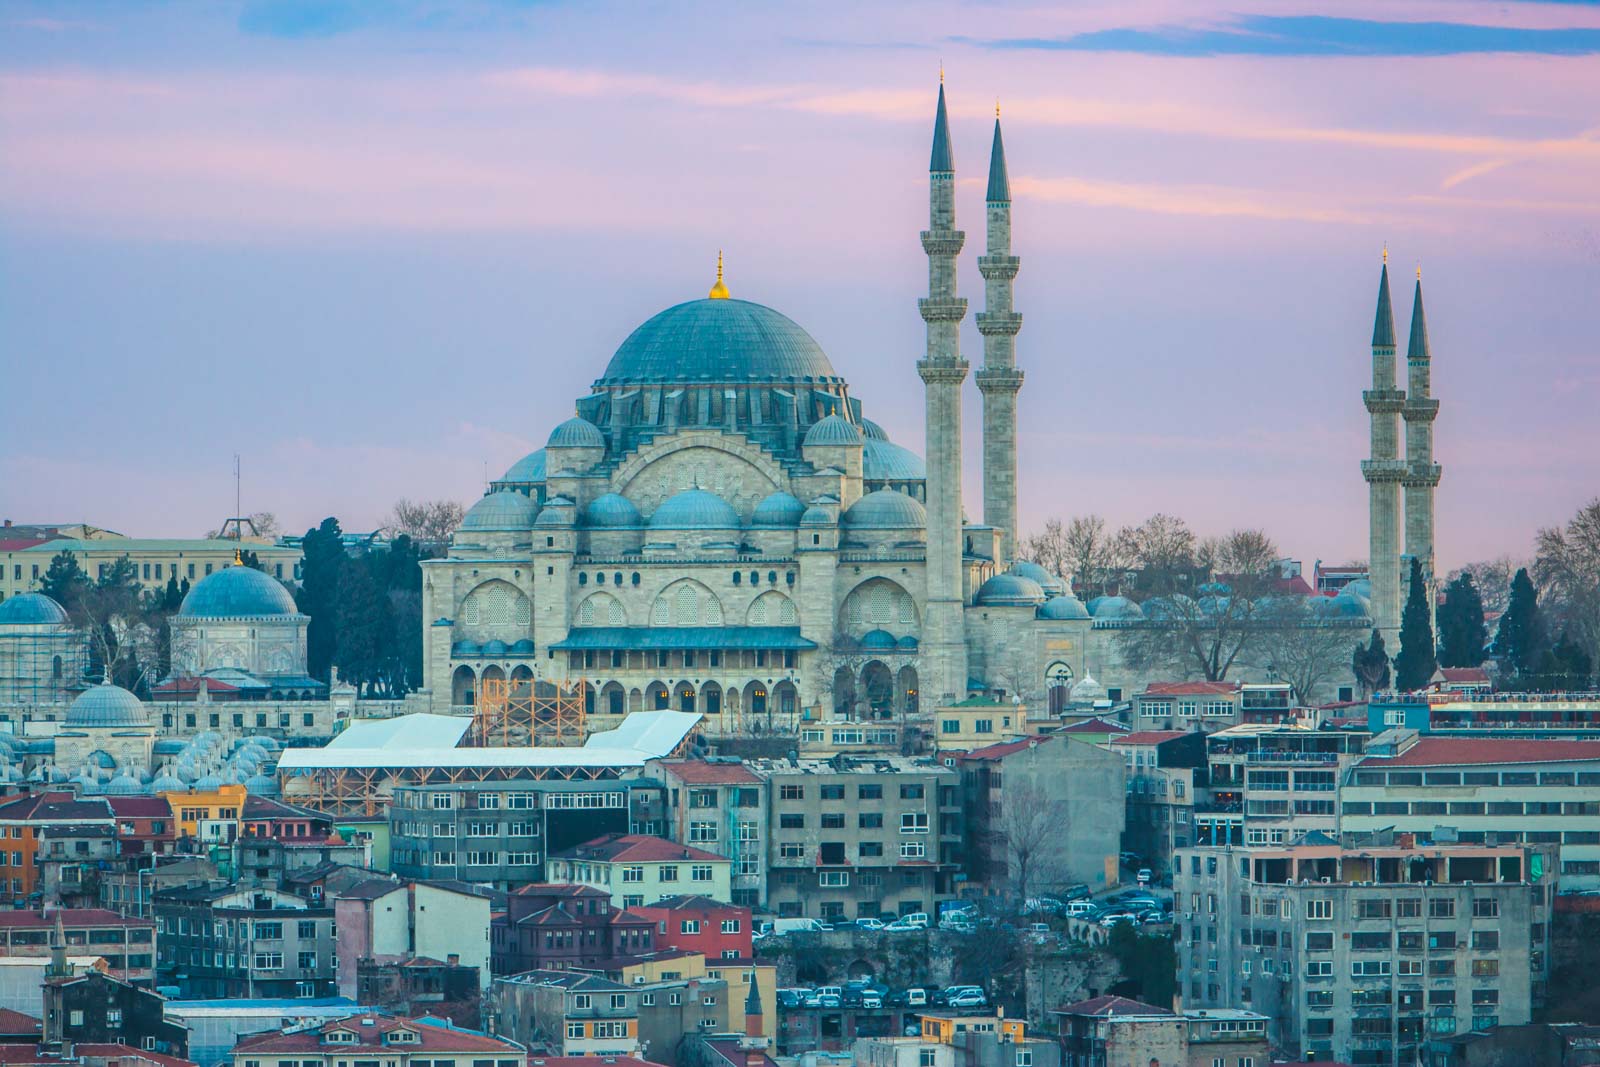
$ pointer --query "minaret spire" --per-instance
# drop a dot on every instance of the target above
(1384, 471)
(999, 381)
(944, 647)
(1422, 473)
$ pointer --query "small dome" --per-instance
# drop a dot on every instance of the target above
(833, 431)
(1361, 587)
(1347, 605)
(1115, 607)
(1163, 608)
(1065, 606)
(885, 461)
(529, 470)
(576, 433)
(1010, 590)
(779, 509)
(168, 783)
(522, 647)
(886, 509)
(502, 510)
(209, 784)
(557, 511)
(109, 705)
(495, 648)
(695, 509)
(872, 431)
(31, 609)
(816, 515)
(1050, 583)
(124, 784)
(906, 644)
(878, 639)
(87, 783)
(1215, 606)
(237, 591)
(1087, 689)
(261, 785)
(613, 510)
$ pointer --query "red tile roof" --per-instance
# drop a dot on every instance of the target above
(558, 889)
(15, 1022)
(1147, 737)
(590, 1061)
(54, 807)
(155, 807)
(1095, 725)
(1465, 675)
(1450, 751)
(728, 1050)
(700, 772)
(430, 1038)
(1109, 1006)
(125, 1055)
(1006, 748)
(687, 902)
(1190, 689)
(636, 848)
(74, 917)
(187, 684)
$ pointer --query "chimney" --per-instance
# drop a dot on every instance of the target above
(454, 959)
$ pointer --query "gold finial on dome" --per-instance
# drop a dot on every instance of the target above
(238, 559)
(1386, 251)
(719, 291)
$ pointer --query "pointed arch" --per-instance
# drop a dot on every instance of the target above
(772, 608)
(495, 609)
(686, 602)
(601, 609)
(879, 604)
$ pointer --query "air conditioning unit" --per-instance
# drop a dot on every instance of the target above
(638, 979)
(1326, 880)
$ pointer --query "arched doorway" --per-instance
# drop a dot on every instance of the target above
(613, 699)
(711, 698)
(787, 696)
(906, 690)
(635, 700)
(657, 697)
(522, 680)
(685, 695)
(878, 688)
(463, 686)
(844, 693)
(1058, 686)
(755, 700)
(493, 673)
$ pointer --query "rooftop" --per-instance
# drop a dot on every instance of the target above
(636, 848)
(1148, 737)
(1453, 751)
(75, 917)
(1107, 1006)
(370, 1030)
(705, 772)
(1190, 689)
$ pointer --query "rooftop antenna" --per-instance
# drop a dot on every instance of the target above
(238, 530)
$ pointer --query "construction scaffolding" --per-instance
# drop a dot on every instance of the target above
(523, 713)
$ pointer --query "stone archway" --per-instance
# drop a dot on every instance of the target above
(657, 697)
(844, 693)
(878, 689)
(683, 697)
(906, 690)
(711, 698)
(463, 686)
(1058, 686)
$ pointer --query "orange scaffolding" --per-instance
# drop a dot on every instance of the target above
(525, 713)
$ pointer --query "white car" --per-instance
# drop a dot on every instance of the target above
(870, 924)
(900, 926)
(916, 918)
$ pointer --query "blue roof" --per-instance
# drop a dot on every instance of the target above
(237, 591)
(107, 705)
(1383, 321)
(834, 430)
(31, 609)
(1417, 350)
(1115, 607)
(529, 468)
(612, 509)
(672, 638)
(502, 510)
(695, 509)
(872, 431)
(576, 433)
(718, 341)
(1010, 589)
(885, 461)
(884, 510)
(999, 182)
(1065, 606)
(941, 160)
(779, 509)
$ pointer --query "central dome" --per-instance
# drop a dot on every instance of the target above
(237, 591)
(718, 341)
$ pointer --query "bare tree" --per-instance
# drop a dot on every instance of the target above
(1029, 835)
(427, 522)
(1162, 548)
(1492, 577)
(1302, 648)
(1048, 548)
(1567, 568)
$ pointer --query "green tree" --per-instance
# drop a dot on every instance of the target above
(248, 558)
(319, 594)
(65, 582)
(366, 642)
(1565, 665)
(1521, 639)
(1463, 636)
(1370, 664)
(1415, 664)
(1149, 965)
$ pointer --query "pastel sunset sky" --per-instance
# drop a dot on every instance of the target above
(379, 246)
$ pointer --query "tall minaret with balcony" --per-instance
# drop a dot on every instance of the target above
(999, 380)
(1422, 473)
(944, 647)
(1384, 472)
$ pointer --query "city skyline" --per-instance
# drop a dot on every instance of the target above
(379, 256)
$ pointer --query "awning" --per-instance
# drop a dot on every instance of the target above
(676, 638)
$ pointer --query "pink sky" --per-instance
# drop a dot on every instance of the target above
(380, 248)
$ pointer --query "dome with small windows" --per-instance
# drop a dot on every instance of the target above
(576, 433)
(31, 609)
(834, 431)
(1005, 590)
(886, 509)
(885, 461)
(237, 592)
(612, 510)
(529, 470)
(107, 705)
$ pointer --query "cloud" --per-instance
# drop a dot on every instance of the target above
(1205, 201)
(1315, 35)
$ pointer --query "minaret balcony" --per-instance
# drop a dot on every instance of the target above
(943, 371)
(942, 308)
(943, 242)
(1384, 470)
(999, 323)
(1384, 401)
(1002, 267)
(1423, 476)
(998, 379)
(1421, 409)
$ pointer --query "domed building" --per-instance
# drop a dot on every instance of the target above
(239, 636)
(106, 727)
(42, 655)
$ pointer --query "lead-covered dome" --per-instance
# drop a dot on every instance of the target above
(576, 433)
(31, 609)
(109, 705)
(779, 509)
(1064, 606)
(695, 509)
(612, 510)
(1050, 583)
(235, 592)
(504, 510)
(886, 509)
(530, 469)
(885, 461)
(718, 341)
(833, 431)
(1010, 590)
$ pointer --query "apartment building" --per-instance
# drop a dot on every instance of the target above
(861, 836)
(712, 928)
(637, 869)
(1361, 954)
(1116, 1030)
(1482, 790)
(374, 1038)
(562, 927)
(222, 942)
(1280, 780)
(51, 828)
(500, 833)
(720, 805)
(1166, 777)
(385, 922)
(127, 945)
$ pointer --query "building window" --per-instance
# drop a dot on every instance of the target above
(700, 872)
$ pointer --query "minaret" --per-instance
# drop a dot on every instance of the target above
(1384, 472)
(999, 380)
(1422, 473)
(944, 647)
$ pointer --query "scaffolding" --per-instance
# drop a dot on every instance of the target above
(522, 713)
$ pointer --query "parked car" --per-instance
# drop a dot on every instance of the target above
(1144, 876)
(1038, 904)
(913, 997)
(1039, 932)
(792, 997)
(1117, 917)
(915, 918)
(871, 998)
(1130, 859)
(1082, 909)
(1076, 892)
(869, 924)
(968, 998)
(830, 996)
(900, 926)
(1155, 918)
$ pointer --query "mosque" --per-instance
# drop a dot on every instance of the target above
(721, 528)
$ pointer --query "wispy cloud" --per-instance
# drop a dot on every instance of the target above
(1314, 35)
(1196, 200)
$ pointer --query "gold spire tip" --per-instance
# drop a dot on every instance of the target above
(238, 559)
(1419, 272)
(719, 291)
(997, 107)
(1386, 251)
(941, 72)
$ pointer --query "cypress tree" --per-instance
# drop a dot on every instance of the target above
(1462, 633)
(319, 594)
(1520, 640)
(1415, 664)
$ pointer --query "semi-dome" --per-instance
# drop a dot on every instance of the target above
(1005, 590)
(1064, 606)
(833, 431)
(237, 591)
(881, 640)
(872, 431)
(718, 340)
(109, 705)
(885, 461)
(503, 510)
(528, 469)
(1050, 583)
(612, 510)
(886, 509)
(1115, 607)
(695, 509)
(779, 509)
(31, 609)
(576, 433)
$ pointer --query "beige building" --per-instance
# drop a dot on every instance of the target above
(155, 560)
